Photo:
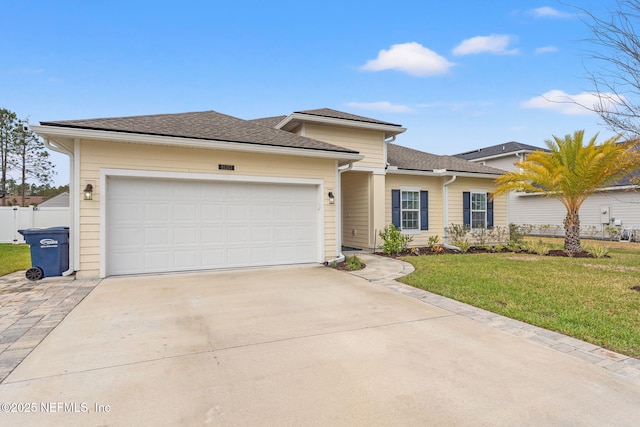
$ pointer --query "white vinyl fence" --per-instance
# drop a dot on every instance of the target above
(13, 218)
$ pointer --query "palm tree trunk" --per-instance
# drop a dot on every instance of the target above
(572, 233)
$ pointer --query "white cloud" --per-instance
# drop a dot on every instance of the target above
(411, 58)
(546, 49)
(565, 103)
(496, 43)
(549, 12)
(383, 106)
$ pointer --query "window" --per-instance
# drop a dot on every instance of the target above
(410, 210)
(478, 210)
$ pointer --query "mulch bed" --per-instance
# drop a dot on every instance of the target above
(477, 250)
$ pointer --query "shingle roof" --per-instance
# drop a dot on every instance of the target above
(495, 150)
(410, 159)
(328, 112)
(270, 122)
(206, 125)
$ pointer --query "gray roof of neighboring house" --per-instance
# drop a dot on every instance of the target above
(59, 201)
(205, 125)
(328, 112)
(268, 121)
(496, 150)
(410, 159)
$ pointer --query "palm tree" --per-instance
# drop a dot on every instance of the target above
(571, 171)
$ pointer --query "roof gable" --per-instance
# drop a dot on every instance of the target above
(334, 114)
(205, 125)
(410, 159)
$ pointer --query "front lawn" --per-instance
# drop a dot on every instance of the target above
(595, 300)
(14, 258)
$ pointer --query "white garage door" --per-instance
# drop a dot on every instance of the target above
(156, 225)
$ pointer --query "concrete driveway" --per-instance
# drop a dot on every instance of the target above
(296, 346)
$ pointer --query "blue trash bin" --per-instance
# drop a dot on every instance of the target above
(49, 251)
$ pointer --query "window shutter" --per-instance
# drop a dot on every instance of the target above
(466, 208)
(424, 210)
(489, 211)
(395, 208)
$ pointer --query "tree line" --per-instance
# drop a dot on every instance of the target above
(23, 158)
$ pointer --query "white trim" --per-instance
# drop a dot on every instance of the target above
(47, 131)
(510, 153)
(135, 173)
(441, 173)
(387, 129)
(375, 171)
(410, 189)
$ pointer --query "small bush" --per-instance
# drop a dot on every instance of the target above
(457, 232)
(597, 251)
(464, 245)
(352, 262)
(437, 249)
(516, 234)
(538, 247)
(433, 240)
(394, 242)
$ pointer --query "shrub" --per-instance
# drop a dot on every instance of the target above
(352, 262)
(437, 249)
(394, 242)
(464, 245)
(597, 251)
(433, 240)
(538, 247)
(516, 234)
(457, 231)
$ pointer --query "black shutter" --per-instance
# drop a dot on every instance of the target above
(424, 210)
(466, 208)
(395, 208)
(489, 211)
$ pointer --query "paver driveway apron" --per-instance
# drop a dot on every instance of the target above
(297, 346)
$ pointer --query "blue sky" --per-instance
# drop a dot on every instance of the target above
(458, 75)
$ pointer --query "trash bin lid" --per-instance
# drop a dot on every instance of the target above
(32, 231)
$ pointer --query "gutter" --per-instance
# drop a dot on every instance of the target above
(75, 218)
(445, 208)
(341, 256)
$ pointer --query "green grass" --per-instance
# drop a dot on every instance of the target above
(14, 258)
(589, 299)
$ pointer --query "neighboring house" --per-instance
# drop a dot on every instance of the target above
(617, 204)
(195, 191)
(59, 201)
(16, 200)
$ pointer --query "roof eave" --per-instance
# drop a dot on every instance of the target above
(293, 120)
(442, 172)
(497, 156)
(56, 133)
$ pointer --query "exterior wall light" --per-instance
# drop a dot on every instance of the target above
(88, 192)
(332, 199)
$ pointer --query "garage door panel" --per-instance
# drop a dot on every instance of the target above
(160, 225)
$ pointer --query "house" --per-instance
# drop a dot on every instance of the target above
(204, 190)
(617, 205)
(59, 201)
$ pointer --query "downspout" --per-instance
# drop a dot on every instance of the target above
(341, 256)
(445, 208)
(72, 202)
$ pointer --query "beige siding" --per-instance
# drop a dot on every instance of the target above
(434, 186)
(96, 155)
(431, 184)
(461, 185)
(369, 143)
(355, 209)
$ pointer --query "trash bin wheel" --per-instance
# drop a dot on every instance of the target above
(34, 273)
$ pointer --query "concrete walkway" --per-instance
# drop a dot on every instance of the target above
(383, 271)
